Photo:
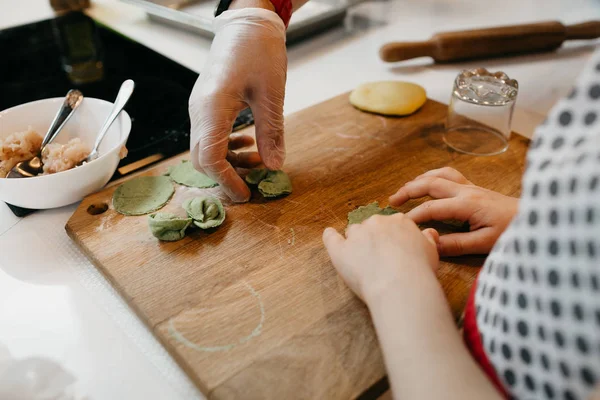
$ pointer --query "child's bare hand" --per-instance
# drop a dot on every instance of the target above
(382, 251)
(487, 212)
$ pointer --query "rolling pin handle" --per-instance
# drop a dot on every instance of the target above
(399, 51)
(585, 30)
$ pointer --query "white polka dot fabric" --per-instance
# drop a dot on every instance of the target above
(538, 295)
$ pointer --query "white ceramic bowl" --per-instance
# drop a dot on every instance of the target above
(62, 188)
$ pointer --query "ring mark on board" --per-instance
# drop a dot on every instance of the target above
(178, 336)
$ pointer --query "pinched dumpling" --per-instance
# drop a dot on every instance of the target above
(207, 212)
(270, 183)
(168, 227)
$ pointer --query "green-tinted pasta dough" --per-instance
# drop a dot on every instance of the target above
(256, 175)
(363, 212)
(168, 227)
(143, 195)
(388, 211)
(186, 174)
(270, 183)
(207, 212)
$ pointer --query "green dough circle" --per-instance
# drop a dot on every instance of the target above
(185, 174)
(207, 212)
(143, 195)
(168, 227)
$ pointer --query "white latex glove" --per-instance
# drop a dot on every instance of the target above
(247, 66)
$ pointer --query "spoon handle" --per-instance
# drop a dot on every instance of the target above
(72, 100)
(122, 98)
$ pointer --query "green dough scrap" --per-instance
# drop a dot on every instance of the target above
(168, 227)
(363, 212)
(185, 174)
(270, 183)
(207, 212)
(143, 195)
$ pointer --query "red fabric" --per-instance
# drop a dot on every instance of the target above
(472, 339)
(283, 8)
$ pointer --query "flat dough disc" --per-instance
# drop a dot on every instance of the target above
(388, 97)
(143, 195)
(186, 174)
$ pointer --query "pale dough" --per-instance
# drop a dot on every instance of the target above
(388, 97)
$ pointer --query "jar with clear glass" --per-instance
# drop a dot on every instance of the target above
(480, 112)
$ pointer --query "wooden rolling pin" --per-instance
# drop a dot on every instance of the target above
(491, 42)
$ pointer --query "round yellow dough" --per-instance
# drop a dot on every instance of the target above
(388, 97)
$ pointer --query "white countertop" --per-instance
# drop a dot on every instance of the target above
(56, 308)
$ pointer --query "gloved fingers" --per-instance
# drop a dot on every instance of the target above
(212, 118)
(267, 107)
(229, 180)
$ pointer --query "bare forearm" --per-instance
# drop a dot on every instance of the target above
(423, 351)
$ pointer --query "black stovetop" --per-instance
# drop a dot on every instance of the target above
(48, 58)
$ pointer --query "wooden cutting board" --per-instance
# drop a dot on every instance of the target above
(255, 310)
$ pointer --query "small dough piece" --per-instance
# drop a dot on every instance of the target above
(168, 227)
(388, 97)
(363, 212)
(207, 212)
(270, 183)
(143, 195)
(185, 174)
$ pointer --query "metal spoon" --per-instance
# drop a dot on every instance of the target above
(30, 168)
(122, 97)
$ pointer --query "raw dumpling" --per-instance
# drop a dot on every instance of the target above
(168, 227)
(270, 183)
(256, 175)
(207, 212)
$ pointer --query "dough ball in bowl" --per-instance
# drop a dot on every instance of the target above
(66, 187)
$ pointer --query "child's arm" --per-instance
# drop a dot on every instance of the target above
(424, 353)
(391, 265)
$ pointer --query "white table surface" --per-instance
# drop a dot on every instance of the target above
(55, 308)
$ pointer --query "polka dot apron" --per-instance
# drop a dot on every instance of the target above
(533, 318)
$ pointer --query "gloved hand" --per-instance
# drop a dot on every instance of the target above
(247, 66)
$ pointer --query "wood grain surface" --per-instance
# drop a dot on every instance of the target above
(254, 309)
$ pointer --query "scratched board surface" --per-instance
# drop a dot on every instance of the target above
(255, 309)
